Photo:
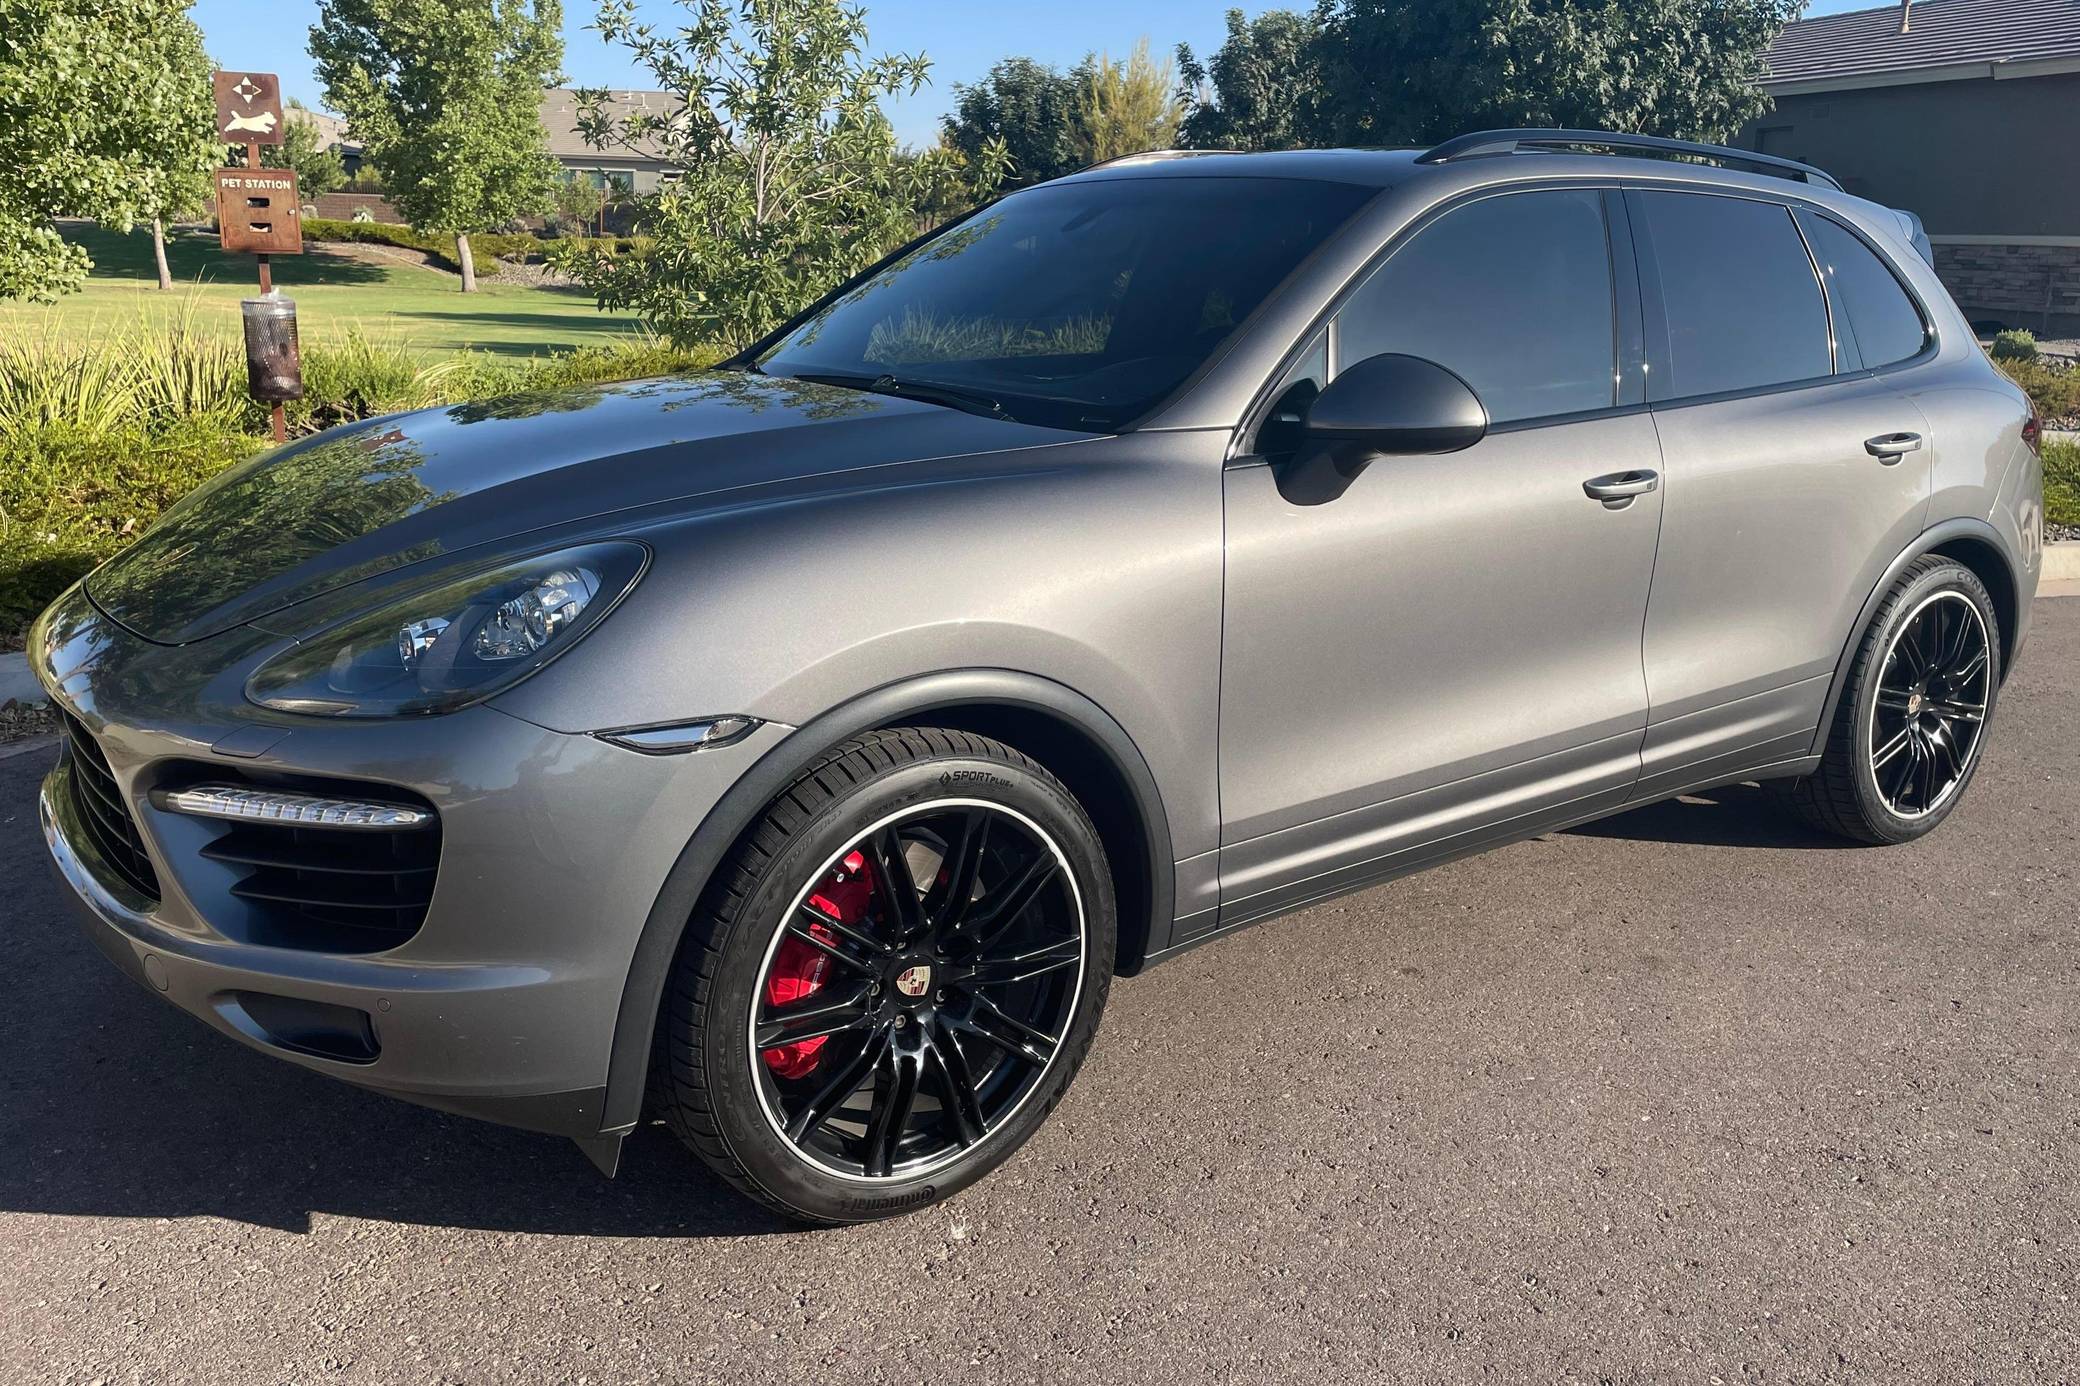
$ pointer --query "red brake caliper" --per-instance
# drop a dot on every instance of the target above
(799, 971)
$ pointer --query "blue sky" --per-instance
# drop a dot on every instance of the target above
(962, 40)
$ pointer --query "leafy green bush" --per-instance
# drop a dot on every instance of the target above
(2016, 344)
(356, 377)
(2054, 387)
(101, 436)
(2062, 482)
(145, 375)
(69, 498)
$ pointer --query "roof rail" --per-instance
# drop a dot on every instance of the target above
(1485, 142)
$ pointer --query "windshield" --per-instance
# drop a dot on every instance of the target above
(1074, 305)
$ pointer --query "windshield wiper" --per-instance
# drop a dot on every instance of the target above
(930, 392)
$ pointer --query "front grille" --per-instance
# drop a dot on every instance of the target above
(102, 810)
(332, 888)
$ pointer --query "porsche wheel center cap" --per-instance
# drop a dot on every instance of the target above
(914, 982)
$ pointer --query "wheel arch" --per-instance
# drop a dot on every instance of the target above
(1065, 731)
(1974, 543)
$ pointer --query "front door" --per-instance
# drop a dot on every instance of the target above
(1451, 648)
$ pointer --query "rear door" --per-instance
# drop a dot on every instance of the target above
(1793, 472)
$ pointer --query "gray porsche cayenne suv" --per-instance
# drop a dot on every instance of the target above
(794, 752)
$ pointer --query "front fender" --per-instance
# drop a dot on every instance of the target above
(911, 700)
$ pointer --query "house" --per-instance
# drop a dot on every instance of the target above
(625, 170)
(637, 170)
(1964, 112)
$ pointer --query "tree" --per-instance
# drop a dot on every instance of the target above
(1418, 71)
(105, 112)
(792, 179)
(1031, 109)
(319, 170)
(1388, 72)
(1127, 108)
(447, 96)
(1261, 89)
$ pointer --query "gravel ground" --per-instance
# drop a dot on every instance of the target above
(19, 720)
(1686, 1095)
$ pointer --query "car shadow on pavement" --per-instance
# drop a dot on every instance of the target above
(117, 1105)
(1734, 815)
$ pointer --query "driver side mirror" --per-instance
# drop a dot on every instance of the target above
(1389, 405)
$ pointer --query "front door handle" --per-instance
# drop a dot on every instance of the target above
(1617, 490)
(1891, 447)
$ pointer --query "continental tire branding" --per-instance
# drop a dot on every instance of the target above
(892, 1202)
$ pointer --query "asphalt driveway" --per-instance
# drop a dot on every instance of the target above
(1685, 1095)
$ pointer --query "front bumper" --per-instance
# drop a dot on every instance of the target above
(554, 847)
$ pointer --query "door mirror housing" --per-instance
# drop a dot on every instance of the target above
(1383, 406)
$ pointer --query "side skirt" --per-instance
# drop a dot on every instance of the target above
(1518, 832)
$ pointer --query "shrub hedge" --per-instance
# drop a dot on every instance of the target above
(2062, 483)
(487, 248)
(2053, 385)
(100, 437)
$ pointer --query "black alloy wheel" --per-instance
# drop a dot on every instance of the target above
(918, 989)
(1932, 697)
(891, 980)
(1910, 726)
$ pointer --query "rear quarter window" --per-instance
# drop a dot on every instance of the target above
(1876, 323)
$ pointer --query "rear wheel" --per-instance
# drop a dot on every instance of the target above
(1907, 735)
(895, 979)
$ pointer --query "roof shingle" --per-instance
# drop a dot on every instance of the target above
(560, 117)
(1943, 33)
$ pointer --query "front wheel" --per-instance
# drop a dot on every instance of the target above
(894, 979)
(1907, 735)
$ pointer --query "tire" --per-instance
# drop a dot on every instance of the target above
(806, 919)
(1852, 794)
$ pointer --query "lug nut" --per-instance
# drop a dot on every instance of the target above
(901, 1020)
(940, 997)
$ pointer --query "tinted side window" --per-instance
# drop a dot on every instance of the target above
(1744, 310)
(1512, 292)
(1876, 323)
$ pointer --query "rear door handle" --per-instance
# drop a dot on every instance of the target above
(1617, 490)
(1891, 447)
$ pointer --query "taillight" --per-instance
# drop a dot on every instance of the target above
(2033, 433)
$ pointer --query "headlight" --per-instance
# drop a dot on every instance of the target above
(450, 645)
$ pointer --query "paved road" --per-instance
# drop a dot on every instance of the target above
(1688, 1095)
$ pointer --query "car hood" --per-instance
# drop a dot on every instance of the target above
(356, 502)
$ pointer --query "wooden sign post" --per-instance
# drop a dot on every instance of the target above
(259, 211)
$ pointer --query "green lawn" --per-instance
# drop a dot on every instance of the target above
(420, 308)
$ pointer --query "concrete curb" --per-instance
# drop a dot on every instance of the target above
(17, 684)
(2062, 561)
